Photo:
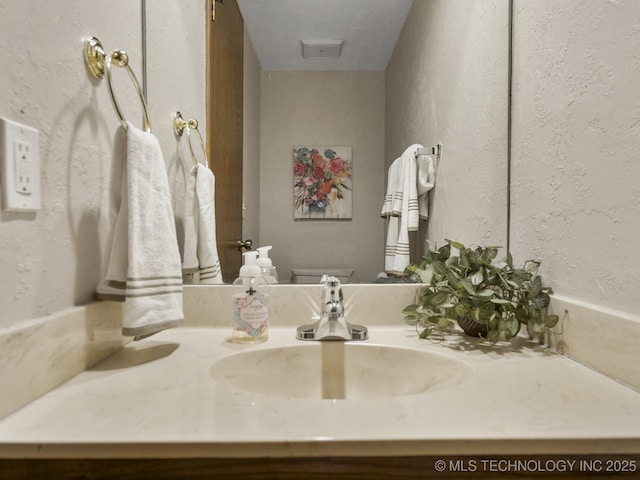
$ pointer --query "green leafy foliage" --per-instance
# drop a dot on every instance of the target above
(460, 282)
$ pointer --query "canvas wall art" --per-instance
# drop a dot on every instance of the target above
(322, 183)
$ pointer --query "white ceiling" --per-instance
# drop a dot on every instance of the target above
(369, 28)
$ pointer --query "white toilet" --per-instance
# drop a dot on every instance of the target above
(313, 275)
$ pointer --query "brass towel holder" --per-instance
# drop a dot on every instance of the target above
(98, 63)
(179, 126)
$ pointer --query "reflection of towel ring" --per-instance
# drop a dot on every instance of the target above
(179, 124)
(193, 125)
(98, 61)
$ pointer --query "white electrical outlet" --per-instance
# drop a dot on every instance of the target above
(20, 170)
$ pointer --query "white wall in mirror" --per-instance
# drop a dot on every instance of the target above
(175, 51)
(323, 108)
(447, 81)
(251, 136)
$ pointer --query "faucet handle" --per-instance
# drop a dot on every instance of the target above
(332, 293)
(330, 281)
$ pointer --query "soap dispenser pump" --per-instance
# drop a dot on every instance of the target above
(266, 265)
(249, 269)
(250, 307)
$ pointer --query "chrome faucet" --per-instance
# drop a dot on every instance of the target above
(331, 325)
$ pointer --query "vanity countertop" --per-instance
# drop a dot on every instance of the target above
(158, 398)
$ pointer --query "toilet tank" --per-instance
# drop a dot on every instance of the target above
(313, 275)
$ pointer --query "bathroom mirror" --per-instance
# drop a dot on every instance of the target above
(445, 80)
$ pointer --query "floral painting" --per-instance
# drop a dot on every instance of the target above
(322, 182)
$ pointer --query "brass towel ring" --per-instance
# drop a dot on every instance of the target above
(98, 61)
(193, 125)
(121, 59)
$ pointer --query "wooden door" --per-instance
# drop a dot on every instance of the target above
(225, 44)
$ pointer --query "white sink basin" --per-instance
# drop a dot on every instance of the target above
(338, 370)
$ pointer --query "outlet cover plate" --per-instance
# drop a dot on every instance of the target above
(20, 167)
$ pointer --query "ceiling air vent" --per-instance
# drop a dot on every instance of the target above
(321, 48)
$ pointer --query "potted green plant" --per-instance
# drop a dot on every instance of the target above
(487, 298)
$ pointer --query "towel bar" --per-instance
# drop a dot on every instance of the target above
(435, 150)
(98, 62)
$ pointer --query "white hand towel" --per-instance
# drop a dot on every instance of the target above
(410, 200)
(426, 182)
(145, 260)
(391, 245)
(397, 249)
(404, 205)
(387, 206)
(398, 190)
(208, 260)
(115, 259)
(191, 216)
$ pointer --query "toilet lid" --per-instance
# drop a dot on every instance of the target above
(318, 272)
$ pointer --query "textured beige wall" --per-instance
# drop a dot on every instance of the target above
(323, 108)
(576, 144)
(447, 81)
(51, 259)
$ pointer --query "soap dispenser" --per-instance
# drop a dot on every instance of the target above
(266, 265)
(250, 307)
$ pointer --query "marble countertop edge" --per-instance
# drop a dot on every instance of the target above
(311, 448)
